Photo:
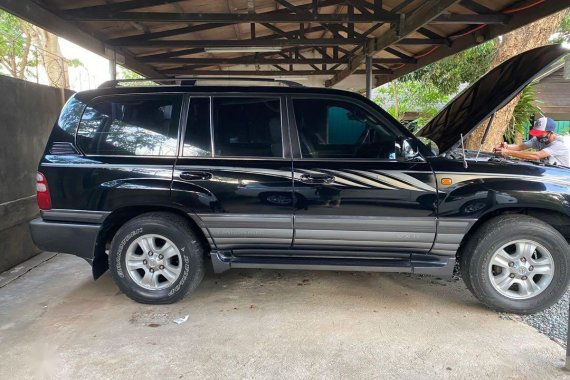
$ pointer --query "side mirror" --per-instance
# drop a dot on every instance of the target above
(407, 149)
(432, 146)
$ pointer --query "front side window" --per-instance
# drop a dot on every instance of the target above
(131, 126)
(247, 127)
(338, 129)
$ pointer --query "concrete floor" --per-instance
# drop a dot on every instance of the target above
(55, 322)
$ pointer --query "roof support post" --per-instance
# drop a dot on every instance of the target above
(113, 65)
(369, 76)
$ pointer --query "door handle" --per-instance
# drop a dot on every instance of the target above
(195, 176)
(317, 178)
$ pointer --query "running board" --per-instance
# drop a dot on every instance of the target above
(420, 264)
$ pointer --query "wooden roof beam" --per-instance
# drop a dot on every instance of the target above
(452, 18)
(421, 16)
(123, 6)
(258, 42)
(224, 18)
(517, 20)
(190, 71)
(206, 26)
(253, 60)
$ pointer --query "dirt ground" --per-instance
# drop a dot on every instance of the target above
(56, 322)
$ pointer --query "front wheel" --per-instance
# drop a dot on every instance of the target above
(156, 258)
(516, 263)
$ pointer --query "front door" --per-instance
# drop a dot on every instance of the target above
(234, 171)
(352, 193)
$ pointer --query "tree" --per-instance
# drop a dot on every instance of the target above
(428, 89)
(459, 69)
(24, 46)
(409, 95)
(50, 54)
(124, 73)
(525, 108)
(528, 37)
(563, 33)
(15, 45)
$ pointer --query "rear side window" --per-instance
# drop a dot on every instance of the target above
(131, 126)
(247, 127)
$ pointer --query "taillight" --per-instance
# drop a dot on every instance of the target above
(42, 192)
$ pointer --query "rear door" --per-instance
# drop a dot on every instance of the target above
(352, 192)
(129, 145)
(234, 170)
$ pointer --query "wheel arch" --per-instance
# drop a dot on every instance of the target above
(556, 219)
(120, 216)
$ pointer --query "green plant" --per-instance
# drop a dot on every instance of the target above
(448, 74)
(15, 46)
(525, 108)
(402, 96)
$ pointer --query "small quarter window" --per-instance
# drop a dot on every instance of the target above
(247, 127)
(70, 115)
(131, 126)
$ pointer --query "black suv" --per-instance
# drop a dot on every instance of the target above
(152, 182)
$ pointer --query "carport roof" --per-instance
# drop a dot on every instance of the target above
(329, 39)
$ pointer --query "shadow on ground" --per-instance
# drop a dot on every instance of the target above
(56, 322)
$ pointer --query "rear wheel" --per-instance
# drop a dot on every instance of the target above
(516, 263)
(156, 258)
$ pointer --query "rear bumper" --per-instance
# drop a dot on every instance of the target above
(73, 238)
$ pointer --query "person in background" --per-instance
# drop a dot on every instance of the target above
(548, 145)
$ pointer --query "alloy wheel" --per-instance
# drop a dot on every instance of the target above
(153, 262)
(521, 269)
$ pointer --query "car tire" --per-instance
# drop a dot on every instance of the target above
(497, 264)
(172, 266)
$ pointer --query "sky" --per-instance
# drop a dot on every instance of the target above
(94, 70)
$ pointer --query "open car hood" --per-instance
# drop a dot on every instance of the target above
(491, 92)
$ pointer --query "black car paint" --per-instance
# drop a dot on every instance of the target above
(415, 226)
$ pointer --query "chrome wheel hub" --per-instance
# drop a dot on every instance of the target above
(153, 262)
(521, 269)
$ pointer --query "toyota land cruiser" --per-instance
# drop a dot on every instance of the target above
(155, 182)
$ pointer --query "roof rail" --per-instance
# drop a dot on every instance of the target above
(191, 81)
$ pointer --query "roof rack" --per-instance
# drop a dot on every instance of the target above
(191, 81)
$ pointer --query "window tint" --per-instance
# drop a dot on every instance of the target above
(336, 129)
(134, 126)
(247, 127)
(70, 115)
(197, 141)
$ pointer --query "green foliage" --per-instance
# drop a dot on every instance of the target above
(14, 45)
(74, 63)
(428, 89)
(401, 96)
(448, 74)
(19, 57)
(11, 35)
(563, 34)
(123, 73)
(525, 108)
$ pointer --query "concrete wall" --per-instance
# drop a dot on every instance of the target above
(28, 112)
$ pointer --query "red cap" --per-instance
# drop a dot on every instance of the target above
(542, 126)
